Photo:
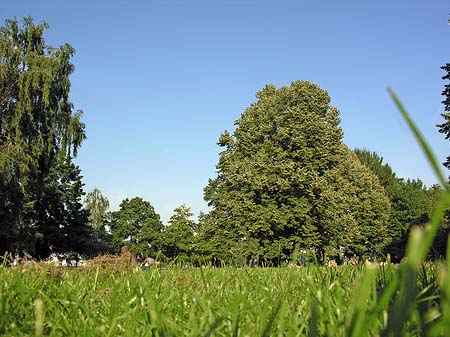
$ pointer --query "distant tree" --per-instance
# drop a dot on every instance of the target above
(137, 225)
(439, 248)
(383, 171)
(38, 129)
(445, 127)
(97, 204)
(217, 240)
(410, 207)
(179, 235)
(411, 202)
(277, 173)
(440, 243)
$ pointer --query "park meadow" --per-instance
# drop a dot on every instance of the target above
(290, 206)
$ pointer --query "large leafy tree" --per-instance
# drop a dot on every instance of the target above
(279, 181)
(179, 236)
(38, 127)
(137, 225)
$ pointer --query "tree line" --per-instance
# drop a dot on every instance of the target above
(287, 187)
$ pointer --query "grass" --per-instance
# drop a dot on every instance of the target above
(178, 302)
(308, 301)
(411, 299)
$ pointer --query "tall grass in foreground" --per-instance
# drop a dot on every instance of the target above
(177, 302)
(308, 301)
(192, 302)
(411, 299)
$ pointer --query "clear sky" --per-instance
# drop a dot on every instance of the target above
(158, 81)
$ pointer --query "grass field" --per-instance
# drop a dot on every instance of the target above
(307, 301)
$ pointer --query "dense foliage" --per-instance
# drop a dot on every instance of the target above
(138, 226)
(179, 236)
(40, 187)
(412, 204)
(97, 204)
(286, 181)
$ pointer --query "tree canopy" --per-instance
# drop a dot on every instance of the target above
(97, 204)
(286, 180)
(137, 225)
(39, 134)
(179, 236)
(412, 204)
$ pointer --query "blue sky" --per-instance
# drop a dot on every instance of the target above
(159, 81)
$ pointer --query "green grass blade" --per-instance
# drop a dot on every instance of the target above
(236, 326)
(40, 316)
(214, 326)
(421, 140)
(418, 251)
(420, 241)
(273, 316)
(382, 304)
(314, 319)
(358, 327)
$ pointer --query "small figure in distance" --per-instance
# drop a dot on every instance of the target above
(148, 262)
(139, 259)
(130, 258)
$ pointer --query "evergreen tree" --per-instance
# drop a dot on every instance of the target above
(384, 172)
(137, 225)
(38, 128)
(445, 127)
(278, 171)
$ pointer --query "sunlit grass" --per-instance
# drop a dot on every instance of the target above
(304, 301)
(177, 302)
